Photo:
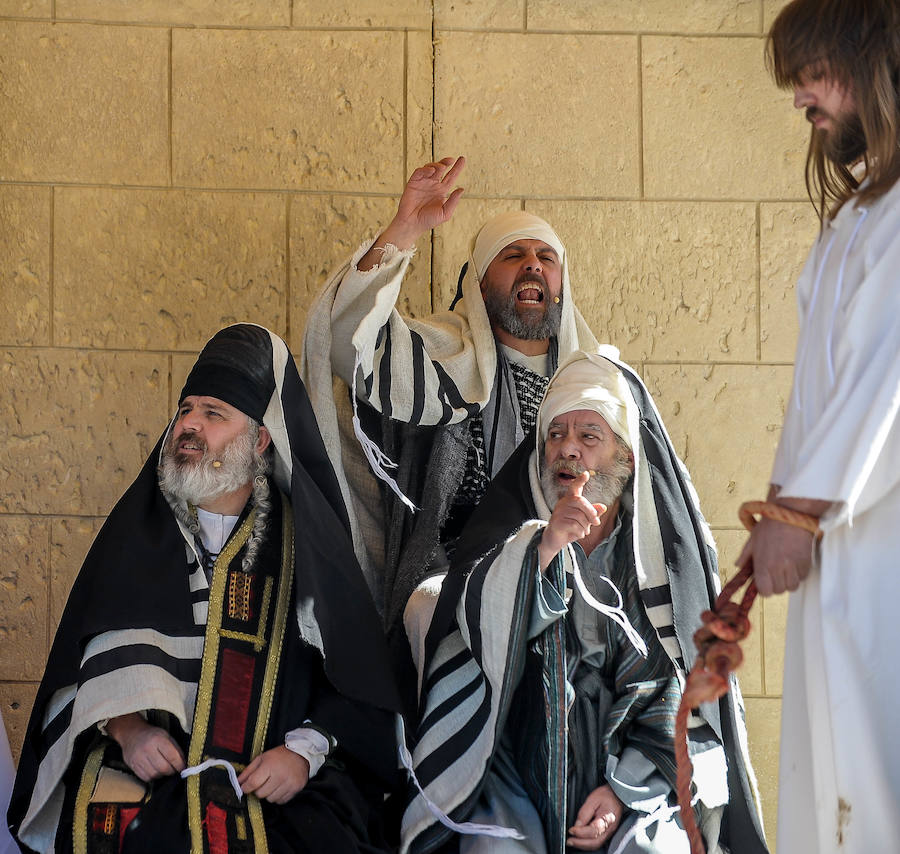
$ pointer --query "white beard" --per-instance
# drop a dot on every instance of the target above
(604, 486)
(198, 481)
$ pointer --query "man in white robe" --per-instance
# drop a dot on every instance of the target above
(447, 397)
(839, 455)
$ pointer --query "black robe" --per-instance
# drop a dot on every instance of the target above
(136, 577)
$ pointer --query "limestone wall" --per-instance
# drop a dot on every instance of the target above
(170, 166)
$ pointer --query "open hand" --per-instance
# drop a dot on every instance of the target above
(276, 775)
(428, 200)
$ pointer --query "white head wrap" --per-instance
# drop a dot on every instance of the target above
(587, 381)
(503, 229)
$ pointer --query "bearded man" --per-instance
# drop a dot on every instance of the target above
(447, 398)
(561, 639)
(838, 459)
(219, 680)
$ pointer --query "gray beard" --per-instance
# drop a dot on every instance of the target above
(503, 312)
(198, 482)
(604, 486)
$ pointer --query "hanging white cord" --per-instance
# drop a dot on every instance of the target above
(616, 613)
(379, 462)
(223, 763)
(662, 813)
(469, 828)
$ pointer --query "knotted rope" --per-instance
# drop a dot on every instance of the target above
(719, 653)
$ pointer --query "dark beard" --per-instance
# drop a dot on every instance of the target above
(845, 143)
(532, 324)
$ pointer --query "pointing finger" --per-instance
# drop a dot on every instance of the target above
(579, 483)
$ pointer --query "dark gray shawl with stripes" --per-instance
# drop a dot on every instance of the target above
(475, 647)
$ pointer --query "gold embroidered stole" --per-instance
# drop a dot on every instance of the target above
(248, 614)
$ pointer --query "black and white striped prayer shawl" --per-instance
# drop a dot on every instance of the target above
(131, 635)
(437, 370)
(467, 686)
(530, 389)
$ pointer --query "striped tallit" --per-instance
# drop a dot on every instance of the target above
(475, 638)
(437, 370)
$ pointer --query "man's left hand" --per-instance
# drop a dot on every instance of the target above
(276, 775)
(596, 821)
(781, 554)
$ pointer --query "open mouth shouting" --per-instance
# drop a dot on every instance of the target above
(531, 291)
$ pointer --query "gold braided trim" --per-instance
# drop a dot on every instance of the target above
(273, 660)
(83, 798)
(239, 586)
(259, 639)
(203, 706)
(749, 510)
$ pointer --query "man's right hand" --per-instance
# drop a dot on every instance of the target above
(147, 750)
(428, 200)
(571, 519)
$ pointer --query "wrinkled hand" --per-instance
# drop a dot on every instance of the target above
(596, 821)
(147, 750)
(571, 519)
(781, 555)
(276, 775)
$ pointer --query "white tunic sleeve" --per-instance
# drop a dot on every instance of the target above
(841, 440)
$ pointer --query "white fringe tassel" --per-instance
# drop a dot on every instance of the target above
(614, 612)
(379, 462)
(469, 828)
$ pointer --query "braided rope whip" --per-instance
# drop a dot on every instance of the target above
(719, 652)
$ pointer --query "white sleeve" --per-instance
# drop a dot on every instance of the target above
(849, 455)
(427, 371)
(312, 744)
(363, 304)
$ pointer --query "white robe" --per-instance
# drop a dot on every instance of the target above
(839, 787)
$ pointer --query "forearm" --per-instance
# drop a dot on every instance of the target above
(123, 726)
(398, 234)
(812, 506)
(364, 298)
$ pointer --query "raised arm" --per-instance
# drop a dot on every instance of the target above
(428, 200)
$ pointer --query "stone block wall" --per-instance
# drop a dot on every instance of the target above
(170, 167)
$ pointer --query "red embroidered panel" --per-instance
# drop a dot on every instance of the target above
(216, 831)
(126, 816)
(232, 704)
(99, 818)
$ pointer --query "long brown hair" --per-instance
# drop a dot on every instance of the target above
(857, 44)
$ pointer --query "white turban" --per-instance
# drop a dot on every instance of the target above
(587, 381)
(503, 229)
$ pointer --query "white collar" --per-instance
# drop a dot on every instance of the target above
(215, 529)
